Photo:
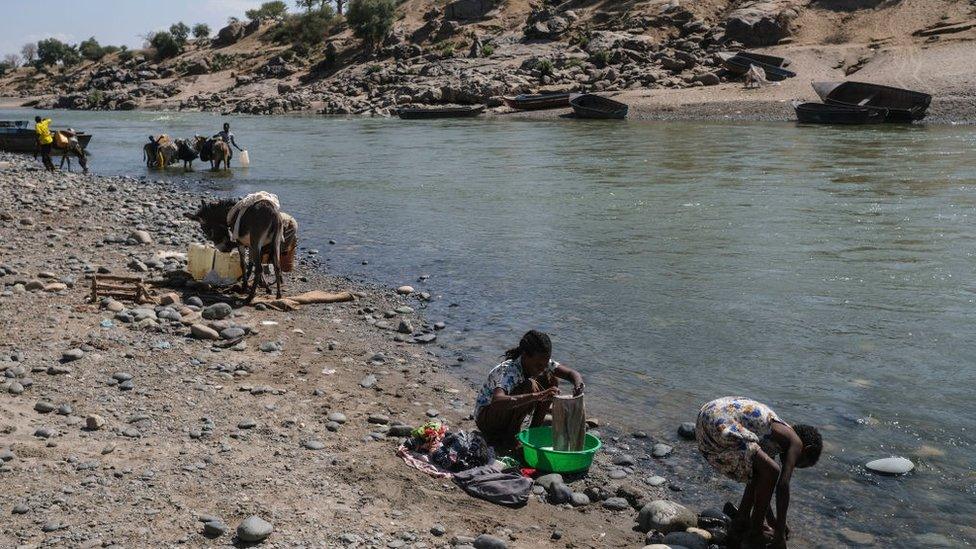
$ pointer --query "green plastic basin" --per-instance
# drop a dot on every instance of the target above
(538, 453)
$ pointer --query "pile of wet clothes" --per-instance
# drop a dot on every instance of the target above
(467, 459)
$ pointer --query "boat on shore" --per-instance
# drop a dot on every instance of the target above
(595, 106)
(422, 113)
(17, 136)
(538, 102)
(739, 63)
(897, 104)
(823, 113)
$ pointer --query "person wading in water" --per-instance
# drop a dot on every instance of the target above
(44, 141)
(740, 438)
(228, 137)
(526, 383)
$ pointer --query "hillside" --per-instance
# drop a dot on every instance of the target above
(656, 53)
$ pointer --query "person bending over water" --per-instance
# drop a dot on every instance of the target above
(740, 437)
(524, 384)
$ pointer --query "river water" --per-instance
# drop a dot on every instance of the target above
(826, 271)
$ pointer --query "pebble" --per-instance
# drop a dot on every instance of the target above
(579, 500)
(432, 412)
(687, 431)
(891, 466)
(270, 347)
(232, 332)
(254, 529)
(15, 388)
(405, 327)
(378, 419)
(687, 540)
(337, 417)
(94, 422)
(217, 311)
(202, 331)
(624, 460)
(656, 481)
(616, 504)
(43, 407)
(72, 355)
(559, 493)
(247, 424)
(856, 538)
(546, 481)
(405, 290)
(438, 530)
(617, 474)
(661, 450)
(142, 237)
(484, 541)
(7, 454)
(368, 381)
(21, 509)
(214, 528)
(314, 445)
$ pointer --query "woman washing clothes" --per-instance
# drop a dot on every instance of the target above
(741, 437)
(524, 384)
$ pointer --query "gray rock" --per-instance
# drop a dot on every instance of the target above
(232, 332)
(214, 528)
(891, 466)
(378, 419)
(314, 445)
(559, 493)
(72, 355)
(337, 417)
(7, 454)
(270, 347)
(624, 460)
(687, 431)
(656, 481)
(665, 517)
(21, 509)
(616, 504)
(405, 327)
(484, 541)
(661, 450)
(546, 481)
(217, 311)
(437, 530)
(247, 423)
(579, 500)
(688, 540)
(254, 529)
(142, 237)
(760, 22)
(368, 381)
(43, 407)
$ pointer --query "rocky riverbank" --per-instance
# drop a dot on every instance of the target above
(198, 421)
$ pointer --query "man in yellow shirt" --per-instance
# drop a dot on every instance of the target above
(44, 140)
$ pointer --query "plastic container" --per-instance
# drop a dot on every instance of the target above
(199, 260)
(245, 159)
(227, 267)
(537, 452)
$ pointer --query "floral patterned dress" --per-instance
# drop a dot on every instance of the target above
(507, 376)
(730, 430)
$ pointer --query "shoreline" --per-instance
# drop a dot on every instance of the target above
(154, 444)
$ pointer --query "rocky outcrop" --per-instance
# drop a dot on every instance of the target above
(761, 22)
(468, 10)
(230, 34)
(548, 24)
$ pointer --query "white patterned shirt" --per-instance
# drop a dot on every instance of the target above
(507, 376)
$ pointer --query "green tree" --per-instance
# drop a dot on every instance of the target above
(29, 52)
(180, 32)
(52, 51)
(90, 49)
(306, 29)
(268, 10)
(371, 20)
(165, 44)
(201, 30)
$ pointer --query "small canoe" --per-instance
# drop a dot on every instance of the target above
(897, 104)
(738, 64)
(440, 112)
(822, 113)
(595, 106)
(17, 136)
(538, 102)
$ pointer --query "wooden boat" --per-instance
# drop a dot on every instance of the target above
(823, 113)
(420, 113)
(538, 102)
(594, 106)
(897, 104)
(18, 136)
(739, 64)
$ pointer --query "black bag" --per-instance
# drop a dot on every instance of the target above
(487, 483)
(462, 450)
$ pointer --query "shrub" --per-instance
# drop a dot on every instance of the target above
(180, 32)
(545, 67)
(371, 20)
(126, 55)
(90, 49)
(165, 44)
(487, 50)
(373, 69)
(201, 30)
(52, 51)
(600, 58)
(305, 29)
(268, 10)
(4, 67)
(446, 49)
(220, 61)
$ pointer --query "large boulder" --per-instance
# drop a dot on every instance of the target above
(665, 517)
(230, 34)
(761, 22)
(468, 10)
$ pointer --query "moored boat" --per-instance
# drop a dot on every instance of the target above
(739, 64)
(822, 113)
(536, 102)
(419, 113)
(17, 136)
(595, 106)
(897, 104)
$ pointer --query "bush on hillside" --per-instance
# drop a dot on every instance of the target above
(52, 51)
(90, 49)
(305, 30)
(268, 10)
(165, 44)
(201, 30)
(371, 20)
(180, 32)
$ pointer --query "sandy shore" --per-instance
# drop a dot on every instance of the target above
(193, 430)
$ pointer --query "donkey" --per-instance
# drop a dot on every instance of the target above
(70, 147)
(221, 153)
(252, 228)
(186, 153)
